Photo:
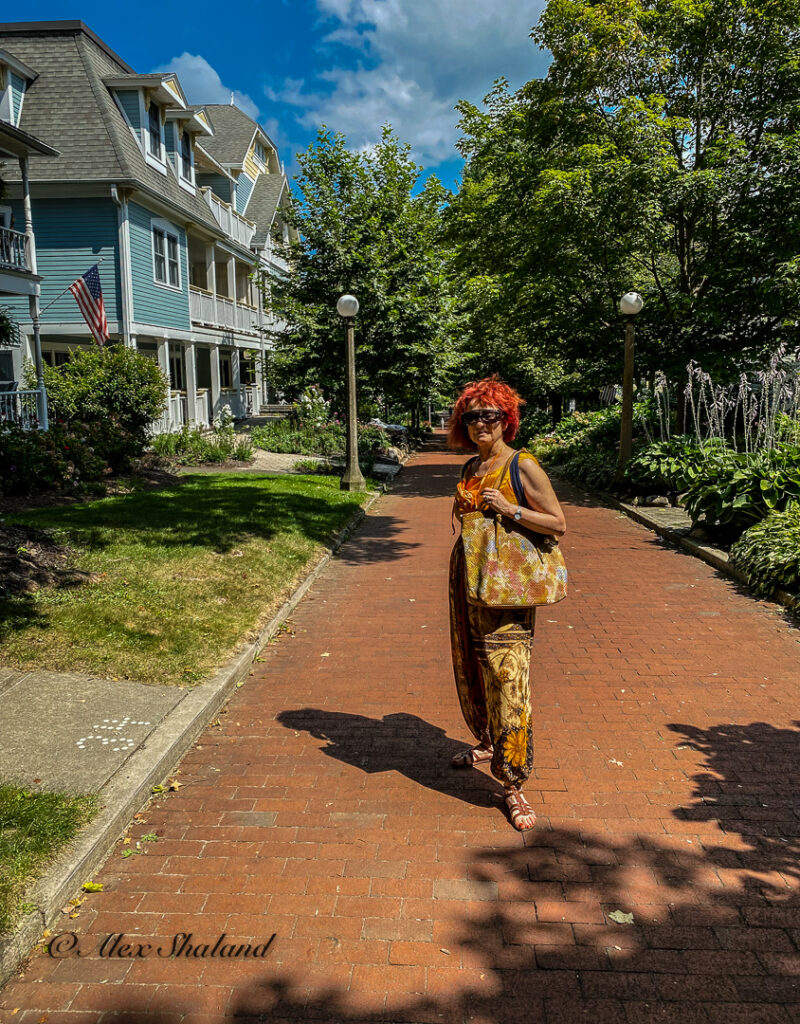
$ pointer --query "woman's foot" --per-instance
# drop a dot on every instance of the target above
(472, 756)
(521, 812)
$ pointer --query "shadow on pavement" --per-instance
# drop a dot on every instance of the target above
(396, 743)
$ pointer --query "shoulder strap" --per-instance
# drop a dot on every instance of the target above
(516, 481)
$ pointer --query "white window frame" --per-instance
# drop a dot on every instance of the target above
(169, 232)
(190, 182)
(157, 161)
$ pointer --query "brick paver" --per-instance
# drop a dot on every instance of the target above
(322, 809)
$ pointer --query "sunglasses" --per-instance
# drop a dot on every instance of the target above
(484, 415)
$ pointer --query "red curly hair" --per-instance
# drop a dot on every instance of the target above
(492, 393)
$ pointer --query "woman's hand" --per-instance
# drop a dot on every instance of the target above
(497, 501)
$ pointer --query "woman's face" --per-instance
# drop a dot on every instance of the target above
(481, 432)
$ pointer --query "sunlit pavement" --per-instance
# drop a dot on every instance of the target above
(662, 882)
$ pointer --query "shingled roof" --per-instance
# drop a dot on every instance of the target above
(233, 133)
(264, 202)
(70, 108)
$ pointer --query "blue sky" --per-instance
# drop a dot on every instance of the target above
(353, 64)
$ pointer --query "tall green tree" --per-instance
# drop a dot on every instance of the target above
(662, 152)
(362, 229)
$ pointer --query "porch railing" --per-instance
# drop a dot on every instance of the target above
(14, 250)
(204, 308)
(20, 407)
(173, 417)
(231, 222)
(203, 407)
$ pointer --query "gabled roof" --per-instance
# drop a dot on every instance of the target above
(233, 134)
(165, 88)
(264, 202)
(70, 108)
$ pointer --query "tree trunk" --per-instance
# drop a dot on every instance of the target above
(556, 406)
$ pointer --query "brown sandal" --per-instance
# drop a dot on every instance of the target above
(472, 756)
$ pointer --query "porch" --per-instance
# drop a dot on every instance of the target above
(206, 380)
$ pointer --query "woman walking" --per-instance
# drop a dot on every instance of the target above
(491, 645)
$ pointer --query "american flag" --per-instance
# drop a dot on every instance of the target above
(89, 296)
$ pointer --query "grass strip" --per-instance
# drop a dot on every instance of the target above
(34, 827)
(180, 575)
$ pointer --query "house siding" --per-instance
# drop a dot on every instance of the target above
(154, 303)
(219, 186)
(129, 101)
(71, 236)
(244, 189)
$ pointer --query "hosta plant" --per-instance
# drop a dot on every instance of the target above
(769, 552)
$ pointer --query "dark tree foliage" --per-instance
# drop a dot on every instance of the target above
(660, 153)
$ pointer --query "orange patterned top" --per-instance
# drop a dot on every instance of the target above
(468, 490)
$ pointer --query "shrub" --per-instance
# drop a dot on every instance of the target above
(191, 445)
(595, 467)
(115, 392)
(671, 465)
(46, 460)
(737, 489)
(769, 552)
(283, 437)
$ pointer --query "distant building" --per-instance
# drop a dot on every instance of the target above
(179, 203)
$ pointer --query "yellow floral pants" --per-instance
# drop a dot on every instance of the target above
(491, 663)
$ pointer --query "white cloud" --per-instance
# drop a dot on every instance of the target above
(202, 84)
(414, 59)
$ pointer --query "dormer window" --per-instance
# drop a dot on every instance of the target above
(154, 131)
(186, 156)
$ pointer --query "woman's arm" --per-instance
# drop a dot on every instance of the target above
(545, 514)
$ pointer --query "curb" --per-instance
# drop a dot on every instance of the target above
(715, 557)
(130, 787)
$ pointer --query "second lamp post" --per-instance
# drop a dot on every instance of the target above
(352, 480)
(631, 305)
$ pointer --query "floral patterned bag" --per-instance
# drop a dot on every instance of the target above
(507, 565)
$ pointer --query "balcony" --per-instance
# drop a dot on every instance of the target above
(16, 270)
(232, 223)
(221, 312)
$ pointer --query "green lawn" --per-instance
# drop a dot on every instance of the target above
(181, 574)
(33, 828)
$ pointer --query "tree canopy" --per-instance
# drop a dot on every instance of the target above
(363, 229)
(661, 153)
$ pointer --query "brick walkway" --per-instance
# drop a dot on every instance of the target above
(322, 809)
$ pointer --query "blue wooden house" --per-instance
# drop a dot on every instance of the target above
(178, 204)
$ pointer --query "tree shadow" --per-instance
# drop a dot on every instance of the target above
(570, 925)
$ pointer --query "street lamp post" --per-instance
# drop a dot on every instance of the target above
(347, 307)
(631, 305)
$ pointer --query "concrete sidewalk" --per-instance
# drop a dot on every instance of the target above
(661, 884)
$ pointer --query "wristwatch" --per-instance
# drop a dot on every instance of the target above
(518, 514)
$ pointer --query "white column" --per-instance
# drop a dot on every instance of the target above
(163, 358)
(211, 277)
(190, 368)
(232, 285)
(215, 387)
(163, 362)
